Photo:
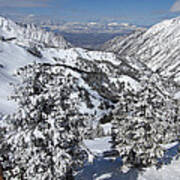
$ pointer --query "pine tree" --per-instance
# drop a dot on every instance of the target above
(43, 139)
(142, 122)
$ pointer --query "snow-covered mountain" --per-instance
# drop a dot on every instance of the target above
(103, 72)
(121, 43)
(29, 34)
(158, 47)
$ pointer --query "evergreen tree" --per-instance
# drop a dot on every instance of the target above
(142, 122)
(43, 139)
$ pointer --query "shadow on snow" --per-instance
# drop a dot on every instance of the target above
(108, 169)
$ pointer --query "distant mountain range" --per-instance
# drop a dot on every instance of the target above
(93, 27)
(91, 35)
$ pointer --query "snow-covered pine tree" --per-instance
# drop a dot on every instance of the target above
(142, 122)
(42, 140)
(159, 104)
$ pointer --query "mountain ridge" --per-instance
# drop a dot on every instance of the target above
(158, 48)
(29, 34)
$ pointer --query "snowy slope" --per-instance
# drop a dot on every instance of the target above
(122, 43)
(14, 55)
(28, 35)
(158, 47)
(91, 68)
(109, 63)
(108, 169)
(100, 73)
(11, 58)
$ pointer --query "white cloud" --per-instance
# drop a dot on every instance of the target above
(23, 3)
(175, 7)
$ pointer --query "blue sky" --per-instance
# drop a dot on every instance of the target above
(143, 12)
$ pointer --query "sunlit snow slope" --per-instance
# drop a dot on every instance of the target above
(158, 47)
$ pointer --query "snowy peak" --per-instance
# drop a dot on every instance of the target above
(26, 35)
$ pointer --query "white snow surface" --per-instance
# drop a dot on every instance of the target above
(98, 145)
(107, 169)
(69, 56)
(11, 58)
